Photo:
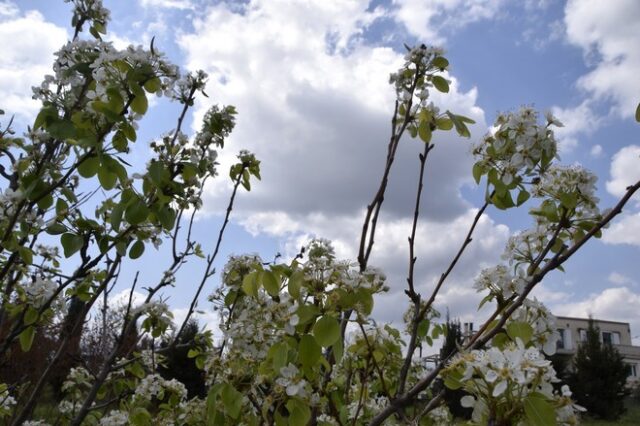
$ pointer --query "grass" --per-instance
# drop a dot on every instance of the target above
(630, 418)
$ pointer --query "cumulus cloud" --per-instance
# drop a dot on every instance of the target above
(314, 105)
(426, 20)
(620, 279)
(167, 4)
(608, 33)
(26, 59)
(596, 151)
(625, 230)
(614, 304)
(625, 170)
(577, 121)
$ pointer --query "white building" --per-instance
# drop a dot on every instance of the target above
(574, 330)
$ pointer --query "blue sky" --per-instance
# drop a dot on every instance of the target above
(309, 79)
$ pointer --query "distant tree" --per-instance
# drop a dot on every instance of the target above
(599, 376)
(453, 340)
(177, 365)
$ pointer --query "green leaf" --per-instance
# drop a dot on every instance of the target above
(232, 400)
(440, 62)
(45, 202)
(89, 167)
(500, 340)
(167, 217)
(30, 316)
(71, 243)
(136, 250)
(116, 216)
(523, 196)
(326, 330)
(520, 329)
(153, 85)
(212, 412)
(306, 313)
(278, 354)
(478, 171)
(107, 179)
(137, 370)
(128, 131)
(26, 338)
(453, 380)
(309, 352)
(423, 328)
(140, 417)
(295, 283)
(139, 104)
(158, 173)
(44, 116)
(299, 413)
(440, 83)
(638, 113)
(62, 129)
(26, 254)
(271, 283)
(568, 200)
(61, 206)
(250, 285)
(137, 212)
(56, 229)
(458, 122)
(119, 142)
(424, 131)
(538, 410)
(443, 123)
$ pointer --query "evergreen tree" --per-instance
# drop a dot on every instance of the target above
(599, 376)
(179, 366)
(453, 340)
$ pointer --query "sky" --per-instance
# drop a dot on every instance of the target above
(310, 81)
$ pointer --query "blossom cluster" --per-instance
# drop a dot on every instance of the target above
(155, 386)
(563, 182)
(39, 291)
(499, 281)
(519, 146)
(499, 380)
(543, 323)
(7, 402)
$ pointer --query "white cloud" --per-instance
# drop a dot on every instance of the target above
(625, 230)
(8, 9)
(206, 319)
(614, 304)
(26, 59)
(609, 34)
(546, 295)
(314, 105)
(167, 4)
(625, 170)
(596, 151)
(577, 120)
(427, 20)
(619, 279)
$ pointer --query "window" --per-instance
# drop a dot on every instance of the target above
(616, 338)
(611, 337)
(583, 334)
(560, 342)
(633, 372)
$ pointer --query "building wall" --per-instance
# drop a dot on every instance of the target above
(573, 331)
